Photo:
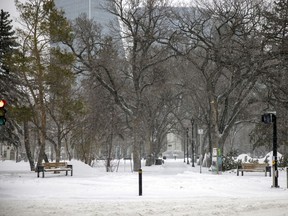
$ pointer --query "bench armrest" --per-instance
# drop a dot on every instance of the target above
(70, 166)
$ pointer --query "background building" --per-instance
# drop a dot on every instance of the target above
(92, 8)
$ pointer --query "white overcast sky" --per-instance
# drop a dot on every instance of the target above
(9, 6)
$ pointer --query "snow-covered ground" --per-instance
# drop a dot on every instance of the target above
(174, 188)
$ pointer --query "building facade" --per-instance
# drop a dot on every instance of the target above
(94, 9)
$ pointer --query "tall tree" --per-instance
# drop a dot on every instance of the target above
(276, 81)
(64, 108)
(222, 41)
(276, 34)
(8, 47)
(142, 26)
(42, 24)
(7, 41)
(9, 81)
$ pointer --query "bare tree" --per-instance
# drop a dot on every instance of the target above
(142, 26)
(223, 41)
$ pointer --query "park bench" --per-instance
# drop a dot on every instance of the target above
(55, 167)
(254, 167)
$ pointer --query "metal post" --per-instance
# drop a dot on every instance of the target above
(274, 162)
(192, 143)
(187, 144)
(200, 132)
(140, 182)
(200, 158)
(287, 175)
(184, 148)
(268, 118)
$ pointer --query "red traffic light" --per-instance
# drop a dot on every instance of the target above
(2, 112)
(2, 103)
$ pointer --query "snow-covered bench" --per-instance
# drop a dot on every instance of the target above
(54, 167)
(254, 167)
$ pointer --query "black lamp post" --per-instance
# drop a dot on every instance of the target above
(184, 147)
(271, 118)
(187, 140)
(274, 162)
(192, 142)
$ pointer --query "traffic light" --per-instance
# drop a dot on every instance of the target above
(268, 118)
(2, 112)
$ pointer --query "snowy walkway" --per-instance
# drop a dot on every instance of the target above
(174, 188)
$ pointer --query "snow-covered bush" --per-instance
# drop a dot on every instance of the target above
(228, 161)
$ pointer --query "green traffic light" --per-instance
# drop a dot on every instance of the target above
(2, 120)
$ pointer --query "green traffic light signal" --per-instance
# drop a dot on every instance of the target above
(2, 121)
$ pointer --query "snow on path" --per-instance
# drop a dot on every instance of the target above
(171, 189)
(198, 207)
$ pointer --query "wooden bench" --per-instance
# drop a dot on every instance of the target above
(55, 167)
(254, 167)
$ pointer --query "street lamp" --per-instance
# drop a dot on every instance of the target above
(268, 118)
(192, 142)
(187, 130)
(200, 132)
(184, 148)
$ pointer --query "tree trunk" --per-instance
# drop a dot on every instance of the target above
(68, 150)
(109, 153)
(42, 137)
(27, 146)
(150, 154)
(58, 152)
(136, 156)
(58, 146)
(41, 155)
(215, 137)
(137, 143)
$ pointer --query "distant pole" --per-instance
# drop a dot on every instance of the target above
(200, 132)
(140, 182)
(184, 148)
(192, 143)
(187, 144)
(287, 176)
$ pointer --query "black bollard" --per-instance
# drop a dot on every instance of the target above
(140, 182)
